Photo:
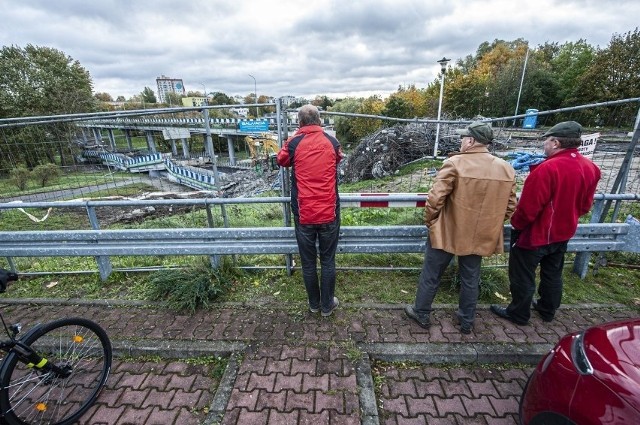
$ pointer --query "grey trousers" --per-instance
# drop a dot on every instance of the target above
(435, 263)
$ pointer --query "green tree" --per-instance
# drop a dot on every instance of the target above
(104, 97)
(20, 177)
(45, 173)
(174, 99)
(614, 75)
(42, 81)
(148, 96)
(345, 125)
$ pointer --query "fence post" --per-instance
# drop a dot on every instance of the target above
(620, 184)
(283, 175)
(581, 262)
(104, 263)
(215, 259)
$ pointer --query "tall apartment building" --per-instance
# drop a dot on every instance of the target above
(169, 85)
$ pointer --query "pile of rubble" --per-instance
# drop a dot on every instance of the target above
(385, 151)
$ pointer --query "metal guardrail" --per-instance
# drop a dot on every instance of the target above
(592, 237)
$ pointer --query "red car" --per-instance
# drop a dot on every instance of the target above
(590, 377)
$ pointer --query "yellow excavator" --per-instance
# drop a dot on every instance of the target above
(263, 150)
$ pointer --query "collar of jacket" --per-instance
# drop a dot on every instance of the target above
(479, 148)
(306, 129)
(562, 153)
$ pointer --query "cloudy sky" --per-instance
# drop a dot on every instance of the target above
(302, 48)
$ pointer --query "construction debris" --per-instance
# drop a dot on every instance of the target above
(385, 151)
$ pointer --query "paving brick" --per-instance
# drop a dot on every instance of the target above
(456, 388)
(185, 399)
(474, 406)
(271, 400)
(287, 382)
(311, 382)
(181, 382)
(303, 401)
(309, 418)
(106, 415)
(446, 406)
(282, 418)
(418, 420)
(396, 405)
(481, 388)
(134, 398)
(158, 398)
(333, 400)
(432, 387)
(110, 396)
(132, 416)
(128, 380)
(304, 366)
(274, 366)
(420, 406)
(445, 420)
(253, 418)
(244, 399)
(265, 382)
(504, 406)
(159, 382)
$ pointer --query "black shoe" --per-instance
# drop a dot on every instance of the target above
(464, 329)
(502, 312)
(543, 314)
(411, 314)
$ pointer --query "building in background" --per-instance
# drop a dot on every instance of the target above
(169, 85)
(194, 101)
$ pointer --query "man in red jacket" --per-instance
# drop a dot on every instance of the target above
(555, 194)
(313, 156)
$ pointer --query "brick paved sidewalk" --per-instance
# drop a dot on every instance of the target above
(288, 366)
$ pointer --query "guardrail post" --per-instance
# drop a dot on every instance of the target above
(104, 262)
(283, 175)
(581, 262)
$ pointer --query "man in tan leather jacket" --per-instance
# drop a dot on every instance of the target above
(473, 195)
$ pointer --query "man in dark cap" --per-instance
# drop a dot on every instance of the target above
(473, 194)
(555, 194)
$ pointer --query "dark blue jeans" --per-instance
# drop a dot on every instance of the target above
(320, 293)
(522, 279)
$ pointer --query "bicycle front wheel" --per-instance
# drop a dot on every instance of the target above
(29, 395)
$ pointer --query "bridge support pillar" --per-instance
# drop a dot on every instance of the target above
(112, 139)
(97, 135)
(185, 148)
(232, 154)
(127, 135)
(174, 150)
(151, 144)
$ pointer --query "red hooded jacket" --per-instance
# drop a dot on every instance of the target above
(555, 194)
(313, 156)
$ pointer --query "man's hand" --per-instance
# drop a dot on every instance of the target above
(513, 238)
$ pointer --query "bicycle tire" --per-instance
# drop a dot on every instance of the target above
(31, 396)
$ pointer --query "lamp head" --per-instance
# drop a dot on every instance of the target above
(443, 63)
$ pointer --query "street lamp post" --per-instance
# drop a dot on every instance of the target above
(206, 99)
(255, 92)
(443, 68)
